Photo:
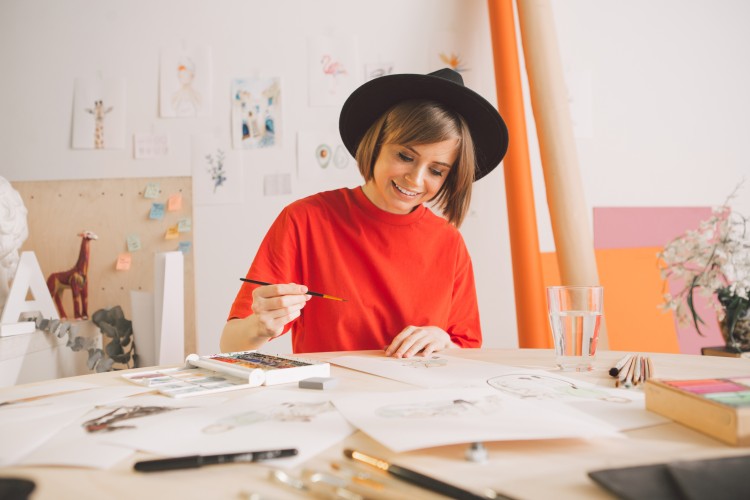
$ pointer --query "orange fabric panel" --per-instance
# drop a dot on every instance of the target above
(531, 308)
(633, 292)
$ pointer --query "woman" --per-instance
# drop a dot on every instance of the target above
(405, 272)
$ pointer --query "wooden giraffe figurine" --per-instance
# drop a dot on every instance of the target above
(99, 113)
(76, 279)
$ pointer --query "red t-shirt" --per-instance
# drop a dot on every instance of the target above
(394, 271)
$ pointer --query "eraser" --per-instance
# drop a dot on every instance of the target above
(320, 383)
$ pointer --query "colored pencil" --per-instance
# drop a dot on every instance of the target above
(316, 294)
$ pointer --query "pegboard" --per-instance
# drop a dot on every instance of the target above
(113, 209)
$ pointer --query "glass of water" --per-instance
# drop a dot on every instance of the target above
(575, 315)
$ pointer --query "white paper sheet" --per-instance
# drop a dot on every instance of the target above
(425, 418)
(265, 419)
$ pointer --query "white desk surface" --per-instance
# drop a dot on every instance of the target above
(521, 469)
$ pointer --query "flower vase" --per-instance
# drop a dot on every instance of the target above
(739, 339)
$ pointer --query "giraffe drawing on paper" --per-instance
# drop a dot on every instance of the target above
(76, 279)
(98, 111)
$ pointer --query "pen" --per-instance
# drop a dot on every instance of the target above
(317, 294)
(194, 461)
(615, 370)
(417, 478)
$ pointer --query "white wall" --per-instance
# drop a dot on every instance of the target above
(669, 97)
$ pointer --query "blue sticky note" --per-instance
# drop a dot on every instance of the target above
(157, 211)
(184, 246)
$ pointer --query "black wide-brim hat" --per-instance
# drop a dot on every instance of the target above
(367, 103)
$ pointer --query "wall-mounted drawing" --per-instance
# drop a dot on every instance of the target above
(448, 50)
(99, 114)
(321, 156)
(217, 172)
(256, 113)
(332, 69)
(375, 70)
(185, 82)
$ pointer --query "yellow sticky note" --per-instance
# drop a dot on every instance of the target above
(174, 203)
(172, 233)
(123, 262)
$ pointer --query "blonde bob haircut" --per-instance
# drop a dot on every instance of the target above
(417, 122)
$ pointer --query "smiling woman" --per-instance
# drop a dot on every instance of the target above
(405, 271)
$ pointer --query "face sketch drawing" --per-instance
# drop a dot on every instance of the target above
(542, 387)
(284, 412)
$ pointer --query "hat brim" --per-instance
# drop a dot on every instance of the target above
(368, 102)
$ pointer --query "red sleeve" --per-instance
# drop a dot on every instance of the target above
(463, 322)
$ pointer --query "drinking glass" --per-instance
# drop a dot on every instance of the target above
(575, 315)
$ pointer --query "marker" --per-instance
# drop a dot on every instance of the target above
(317, 294)
(195, 461)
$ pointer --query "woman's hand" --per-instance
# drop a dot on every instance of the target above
(419, 339)
(276, 305)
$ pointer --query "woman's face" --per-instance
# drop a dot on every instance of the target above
(406, 176)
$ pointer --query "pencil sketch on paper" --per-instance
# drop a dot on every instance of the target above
(488, 405)
(419, 362)
(256, 113)
(331, 69)
(284, 412)
(185, 82)
(106, 422)
(548, 387)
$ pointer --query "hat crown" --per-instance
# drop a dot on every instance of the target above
(449, 74)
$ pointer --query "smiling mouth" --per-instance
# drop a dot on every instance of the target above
(405, 191)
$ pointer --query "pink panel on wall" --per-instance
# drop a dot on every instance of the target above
(634, 227)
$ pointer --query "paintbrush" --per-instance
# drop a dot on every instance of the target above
(316, 294)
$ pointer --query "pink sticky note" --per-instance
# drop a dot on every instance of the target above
(174, 203)
(123, 262)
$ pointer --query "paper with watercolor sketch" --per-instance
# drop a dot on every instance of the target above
(436, 370)
(83, 442)
(268, 418)
(449, 50)
(228, 371)
(99, 114)
(324, 162)
(622, 408)
(185, 83)
(375, 70)
(217, 172)
(332, 69)
(277, 184)
(256, 113)
(424, 418)
(26, 426)
(150, 146)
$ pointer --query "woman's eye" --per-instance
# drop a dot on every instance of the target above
(404, 157)
(438, 173)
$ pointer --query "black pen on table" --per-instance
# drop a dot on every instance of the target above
(316, 294)
(420, 479)
(194, 461)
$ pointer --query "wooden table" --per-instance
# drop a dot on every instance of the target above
(521, 469)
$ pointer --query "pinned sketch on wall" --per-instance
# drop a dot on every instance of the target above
(99, 114)
(256, 113)
(448, 50)
(332, 69)
(150, 146)
(322, 158)
(185, 83)
(277, 184)
(217, 176)
(375, 70)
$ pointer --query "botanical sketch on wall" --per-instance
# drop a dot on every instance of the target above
(185, 82)
(256, 112)
(99, 114)
(217, 172)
